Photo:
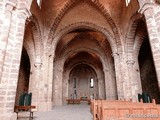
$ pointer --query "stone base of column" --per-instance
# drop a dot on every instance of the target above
(43, 106)
(57, 102)
(10, 116)
(111, 97)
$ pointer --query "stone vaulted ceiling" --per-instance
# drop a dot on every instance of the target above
(53, 7)
(60, 18)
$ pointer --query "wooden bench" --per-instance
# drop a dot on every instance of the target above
(25, 109)
(73, 101)
(124, 110)
(86, 99)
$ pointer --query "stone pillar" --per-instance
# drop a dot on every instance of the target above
(110, 85)
(129, 81)
(151, 12)
(49, 74)
(133, 84)
(5, 32)
(11, 62)
(36, 85)
(41, 84)
(136, 71)
(101, 87)
(65, 86)
(57, 83)
(3, 45)
(118, 72)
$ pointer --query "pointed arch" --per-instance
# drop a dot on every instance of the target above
(36, 36)
(102, 9)
(85, 25)
(130, 36)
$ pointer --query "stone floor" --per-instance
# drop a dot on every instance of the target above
(67, 112)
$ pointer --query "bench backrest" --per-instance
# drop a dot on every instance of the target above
(25, 99)
(124, 109)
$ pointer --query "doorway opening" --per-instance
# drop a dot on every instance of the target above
(24, 75)
(147, 71)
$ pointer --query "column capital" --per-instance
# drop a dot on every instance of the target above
(130, 62)
(38, 65)
(106, 70)
(51, 55)
(10, 4)
(115, 54)
(9, 7)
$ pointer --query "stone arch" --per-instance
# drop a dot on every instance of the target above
(132, 28)
(102, 60)
(106, 70)
(138, 42)
(91, 72)
(130, 36)
(69, 42)
(99, 6)
(29, 43)
(83, 63)
(98, 69)
(85, 25)
(37, 37)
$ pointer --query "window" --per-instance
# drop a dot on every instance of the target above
(39, 3)
(91, 83)
(75, 82)
(127, 2)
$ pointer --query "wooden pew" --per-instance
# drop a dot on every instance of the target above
(95, 108)
(73, 101)
(124, 110)
(25, 109)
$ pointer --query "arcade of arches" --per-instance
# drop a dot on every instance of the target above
(67, 49)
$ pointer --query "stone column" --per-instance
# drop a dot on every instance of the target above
(110, 85)
(37, 87)
(101, 87)
(11, 63)
(41, 84)
(136, 71)
(130, 80)
(65, 86)
(57, 82)
(49, 74)
(132, 83)
(118, 72)
(151, 12)
(5, 32)
(3, 45)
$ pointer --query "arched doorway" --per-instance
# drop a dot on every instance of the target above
(24, 75)
(83, 50)
(147, 71)
(83, 77)
(83, 83)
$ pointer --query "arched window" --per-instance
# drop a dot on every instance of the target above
(75, 82)
(39, 3)
(127, 2)
(91, 82)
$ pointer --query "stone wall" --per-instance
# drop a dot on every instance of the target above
(119, 28)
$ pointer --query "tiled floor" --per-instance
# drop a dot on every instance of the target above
(67, 112)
